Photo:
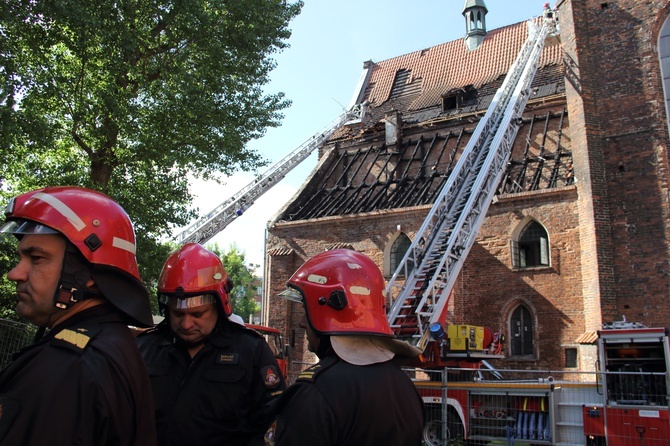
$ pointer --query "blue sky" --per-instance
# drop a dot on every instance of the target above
(319, 73)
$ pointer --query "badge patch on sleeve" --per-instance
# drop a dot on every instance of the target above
(270, 376)
(270, 436)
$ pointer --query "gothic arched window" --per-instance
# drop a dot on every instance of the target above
(521, 332)
(398, 250)
(532, 247)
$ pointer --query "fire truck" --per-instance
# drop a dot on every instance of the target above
(624, 403)
(419, 289)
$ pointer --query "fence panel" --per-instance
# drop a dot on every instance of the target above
(13, 337)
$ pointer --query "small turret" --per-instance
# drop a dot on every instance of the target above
(474, 12)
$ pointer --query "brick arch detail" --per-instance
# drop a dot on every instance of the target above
(521, 225)
(655, 28)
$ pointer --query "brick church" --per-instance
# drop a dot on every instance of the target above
(578, 233)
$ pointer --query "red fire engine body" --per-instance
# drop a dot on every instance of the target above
(634, 388)
(625, 403)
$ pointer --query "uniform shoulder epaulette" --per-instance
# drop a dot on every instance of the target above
(74, 339)
(311, 373)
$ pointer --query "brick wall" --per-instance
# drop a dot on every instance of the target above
(622, 141)
(489, 288)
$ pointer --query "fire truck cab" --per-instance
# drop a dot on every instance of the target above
(633, 380)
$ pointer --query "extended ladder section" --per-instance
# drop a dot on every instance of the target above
(215, 221)
(421, 285)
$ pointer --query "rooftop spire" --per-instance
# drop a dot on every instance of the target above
(474, 12)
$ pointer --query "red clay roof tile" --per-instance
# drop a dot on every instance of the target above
(450, 65)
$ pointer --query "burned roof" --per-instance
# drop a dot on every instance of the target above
(434, 98)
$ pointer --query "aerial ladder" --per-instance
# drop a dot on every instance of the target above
(420, 287)
(216, 220)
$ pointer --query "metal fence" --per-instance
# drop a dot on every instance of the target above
(13, 337)
(544, 408)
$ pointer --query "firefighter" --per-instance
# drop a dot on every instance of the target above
(547, 12)
(357, 394)
(213, 380)
(83, 382)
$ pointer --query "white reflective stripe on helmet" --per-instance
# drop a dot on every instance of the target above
(63, 209)
(123, 244)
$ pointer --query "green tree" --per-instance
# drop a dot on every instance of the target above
(8, 258)
(244, 281)
(130, 97)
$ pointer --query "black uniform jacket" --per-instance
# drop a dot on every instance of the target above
(83, 383)
(224, 396)
(337, 403)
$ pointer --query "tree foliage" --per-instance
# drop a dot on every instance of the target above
(8, 259)
(129, 97)
(244, 280)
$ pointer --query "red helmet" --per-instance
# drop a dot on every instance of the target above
(98, 227)
(191, 275)
(92, 221)
(343, 293)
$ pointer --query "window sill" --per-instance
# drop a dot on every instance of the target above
(522, 358)
(532, 268)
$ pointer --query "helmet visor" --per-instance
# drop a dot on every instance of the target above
(185, 303)
(292, 294)
(22, 226)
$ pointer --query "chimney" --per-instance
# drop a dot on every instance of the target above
(474, 12)
(392, 125)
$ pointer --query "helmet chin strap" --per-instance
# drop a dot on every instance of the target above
(75, 274)
(71, 288)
